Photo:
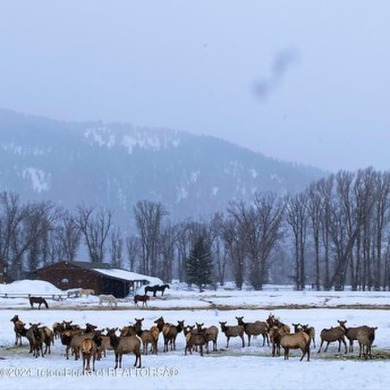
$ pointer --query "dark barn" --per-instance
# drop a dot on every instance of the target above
(101, 277)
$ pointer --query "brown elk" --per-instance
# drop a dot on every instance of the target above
(77, 339)
(299, 340)
(124, 345)
(254, 329)
(58, 328)
(195, 338)
(366, 337)
(34, 336)
(275, 334)
(147, 336)
(351, 333)
(331, 335)
(19, 329)
(170, 333)
(308, 329)
(232, 331)
(210, 334)
(89, 350)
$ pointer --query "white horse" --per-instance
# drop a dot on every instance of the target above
(110, 299)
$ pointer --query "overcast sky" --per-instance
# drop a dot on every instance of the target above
(304, 81)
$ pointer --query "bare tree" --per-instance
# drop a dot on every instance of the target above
(183, 245)
(343, 228)
(219, 249)
(133, 247)
(169, 236)
(269, 213)
(325, 191)
(116, 247)
(248, 223)
(381, 218)
(297, 218)
(94, 226)
(69, 236)
(261, 226)
(12, 215)
(314, 210)
(149, 217)
(234, 236)
(63, 239)
(31, 240)
(360, 261)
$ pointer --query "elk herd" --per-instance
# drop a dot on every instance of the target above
(90, 344)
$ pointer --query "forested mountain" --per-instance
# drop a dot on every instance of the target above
(114, 165)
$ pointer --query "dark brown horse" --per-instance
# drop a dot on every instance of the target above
(142, 298)
(39, 301)
(156, 288)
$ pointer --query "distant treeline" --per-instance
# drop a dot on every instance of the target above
(332, 234)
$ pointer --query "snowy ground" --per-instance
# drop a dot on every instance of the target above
(233, 368)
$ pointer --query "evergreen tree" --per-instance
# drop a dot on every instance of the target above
(199, 265)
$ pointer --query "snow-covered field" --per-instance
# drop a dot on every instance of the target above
(233, 368)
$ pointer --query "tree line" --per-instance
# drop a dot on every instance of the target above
(334, 233)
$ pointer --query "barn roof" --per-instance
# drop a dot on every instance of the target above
(127, 275)
(112, 272)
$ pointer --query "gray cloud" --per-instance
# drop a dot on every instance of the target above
(282, 61)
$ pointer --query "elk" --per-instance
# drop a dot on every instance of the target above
(155, 332)
(195, 338)
(104, 346)
(47, 337)
(170, 333)
(160, 323)
(275, 334)
(123, 345)
(73, 336)
(58, 328)
(331, 335)
(19, 329)
(310, 330)
(210, 334)
(351, 333)
(77, 339)
(299, 340)
(254, 329)
(232, 331)
(34, 336)
(128, 330)
(89, 350)
(147, 336)
(366, 337)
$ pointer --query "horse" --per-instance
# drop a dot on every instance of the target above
(87, 292)
(109, 298)
(142, 298)
(156, 288)
(39, 301)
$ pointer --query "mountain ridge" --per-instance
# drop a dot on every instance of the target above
(116, 164)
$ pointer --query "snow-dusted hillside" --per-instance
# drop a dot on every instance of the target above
(115, 165)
